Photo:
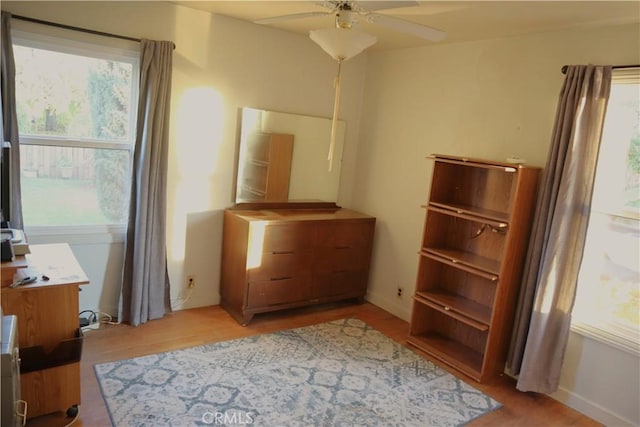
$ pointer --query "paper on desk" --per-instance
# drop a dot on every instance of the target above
(23, 273)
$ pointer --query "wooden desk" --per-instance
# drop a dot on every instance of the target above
(47, 312)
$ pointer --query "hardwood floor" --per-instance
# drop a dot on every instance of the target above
(209, 324)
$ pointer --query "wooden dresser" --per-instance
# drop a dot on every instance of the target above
(283, 258)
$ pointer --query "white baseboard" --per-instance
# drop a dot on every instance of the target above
(395, 306)
(590, 409)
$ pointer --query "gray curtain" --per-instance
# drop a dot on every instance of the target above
(559, 231)
(10, 120)
(145, 284)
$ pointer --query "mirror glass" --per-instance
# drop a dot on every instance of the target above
(282, 157)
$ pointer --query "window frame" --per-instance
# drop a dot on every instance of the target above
(92, 46)
(609, 331)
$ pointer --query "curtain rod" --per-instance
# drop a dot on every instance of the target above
(84, 30)
(615, 67)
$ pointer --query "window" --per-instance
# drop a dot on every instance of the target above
(76, 115)
(607, 302)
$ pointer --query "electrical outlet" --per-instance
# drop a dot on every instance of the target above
(400, 292)
(191, 281)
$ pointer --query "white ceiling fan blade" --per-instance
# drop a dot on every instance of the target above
(398, 24)
(373, 5)
(275, 19)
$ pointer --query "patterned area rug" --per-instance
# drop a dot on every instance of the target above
(340, 373)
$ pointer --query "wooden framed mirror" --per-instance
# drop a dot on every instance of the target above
(282, 158)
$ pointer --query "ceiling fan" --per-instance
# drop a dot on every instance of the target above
(344, 42)
(347, 12)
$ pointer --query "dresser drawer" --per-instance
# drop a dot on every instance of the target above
(345, 234)
(277, 292)
(278, 265)
(288, 238)
(339, 282)
(341, 258)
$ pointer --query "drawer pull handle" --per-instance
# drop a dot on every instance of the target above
(343, 247)
(273, 279)
(282, 252)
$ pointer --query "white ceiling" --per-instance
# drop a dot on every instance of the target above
(462, 20)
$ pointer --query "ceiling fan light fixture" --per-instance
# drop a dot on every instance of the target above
(342, 43)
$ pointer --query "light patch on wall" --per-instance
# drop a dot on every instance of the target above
(198, 135)
(199, 122)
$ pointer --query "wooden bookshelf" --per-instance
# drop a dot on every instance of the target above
(474, 243)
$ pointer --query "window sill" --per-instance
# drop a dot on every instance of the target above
(82, 234)
(624, 341)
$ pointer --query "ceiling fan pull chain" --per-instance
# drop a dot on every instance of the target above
(334, 122)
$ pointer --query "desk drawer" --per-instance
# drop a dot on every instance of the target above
(277, 292)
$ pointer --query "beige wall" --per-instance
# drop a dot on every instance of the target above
(220, 65)
(489, 99)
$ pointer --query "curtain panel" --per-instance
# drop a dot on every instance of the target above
(145, 285)
(543, 320)
(10, 121)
